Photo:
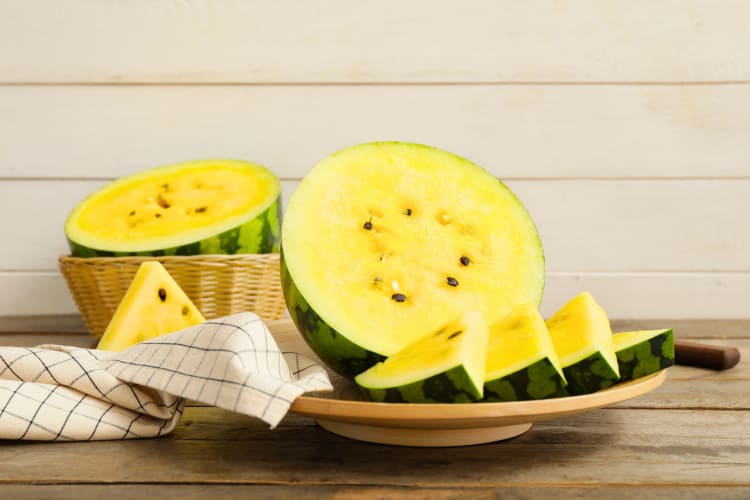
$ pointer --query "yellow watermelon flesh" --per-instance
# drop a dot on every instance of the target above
(153, 305)
(583, 341)
(385, 241)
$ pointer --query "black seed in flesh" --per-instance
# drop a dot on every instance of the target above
(451, 281)
(163, 203)
(185, 310)
(408, 211)
(377, 279)
(157, 215)
(398, 297)
(464, 260)
(162, 294)
(367, 225)
(200, 210)
(455, 334)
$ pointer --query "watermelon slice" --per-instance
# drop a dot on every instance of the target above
(153, 305)
(382, 242)
(643, 352)
(446, 366)
(521, 359)
(582, 338)
(200, 207)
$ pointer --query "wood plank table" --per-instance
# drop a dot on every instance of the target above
(688, 439)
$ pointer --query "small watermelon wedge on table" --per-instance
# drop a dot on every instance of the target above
(385, 242)
(199, 207)
(153, 305)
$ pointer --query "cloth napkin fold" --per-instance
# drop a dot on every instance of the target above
(62, 393)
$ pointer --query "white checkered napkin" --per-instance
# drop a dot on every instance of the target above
(232, 362)
(66, 393)
(61, 393)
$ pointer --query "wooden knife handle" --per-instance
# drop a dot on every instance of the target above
(705, 356)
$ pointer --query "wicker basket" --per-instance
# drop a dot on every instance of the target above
(218, 284)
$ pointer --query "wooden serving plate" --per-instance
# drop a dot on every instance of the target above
(345, 411)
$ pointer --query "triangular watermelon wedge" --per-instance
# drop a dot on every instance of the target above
(153, 305)
(445, 366)
(582, 337)
(643, 352)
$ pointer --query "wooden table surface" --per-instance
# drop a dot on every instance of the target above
(688, 439)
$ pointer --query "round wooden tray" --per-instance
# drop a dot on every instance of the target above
(344, 412)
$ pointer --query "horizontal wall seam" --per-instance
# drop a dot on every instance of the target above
(457, 83)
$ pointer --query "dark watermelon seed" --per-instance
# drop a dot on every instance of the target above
(163, 203)
(185, 310)
(132, 213)
(377, 279)
(398, 297)
(367, 225)
(408, 211)
(157, 215)
(162, 294)
(455, 334)
(464, 260)
(451, 281)
(200, 210)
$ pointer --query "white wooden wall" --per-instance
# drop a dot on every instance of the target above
(624, 125)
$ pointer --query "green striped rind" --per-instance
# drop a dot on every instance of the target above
(649, 356)
(262, 234)
(591, 374)
(452, 386)
(335, 350)
(538, 381)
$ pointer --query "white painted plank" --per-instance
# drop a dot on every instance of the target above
(641, 225)
(34, 293)
(384, 41)
(515, 131)
(623, 295)
(586, 225)
(655, 295)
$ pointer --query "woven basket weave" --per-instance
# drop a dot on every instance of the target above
(218, 285)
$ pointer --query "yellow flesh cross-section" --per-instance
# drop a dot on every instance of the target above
(387, 243)
(517, 341)
(460, 342)
(581, 328)
(624, 340)
(192, 200)
(153, 305)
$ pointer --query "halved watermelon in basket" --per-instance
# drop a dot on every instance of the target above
(199, 207)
